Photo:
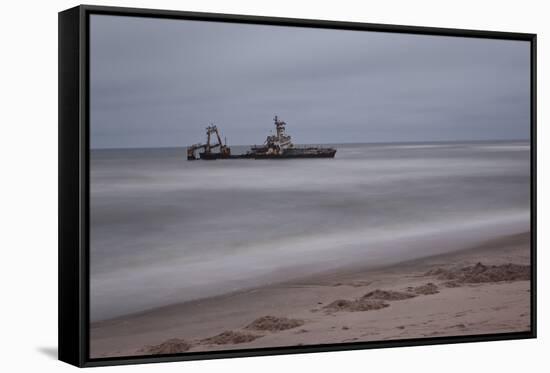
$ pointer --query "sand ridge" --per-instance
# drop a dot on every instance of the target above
(230, 337)
(481, 273)
(426, 289)
(356, 305)
(274, 324)
(171, 346)
(388, 295)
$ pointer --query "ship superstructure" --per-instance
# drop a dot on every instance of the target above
(280, 145)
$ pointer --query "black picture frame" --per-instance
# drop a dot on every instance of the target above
(74, 182)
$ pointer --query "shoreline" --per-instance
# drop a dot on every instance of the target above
(333, 307)
(407, 245)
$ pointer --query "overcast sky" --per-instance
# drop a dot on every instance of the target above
(159, 82)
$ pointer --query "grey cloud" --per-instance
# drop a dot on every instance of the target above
(157, 82)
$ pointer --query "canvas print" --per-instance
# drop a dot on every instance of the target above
(260, 186)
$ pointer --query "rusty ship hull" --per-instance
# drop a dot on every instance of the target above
(330, 153)
(293, 154)
(214, 156)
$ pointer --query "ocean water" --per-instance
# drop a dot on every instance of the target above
(166, 230)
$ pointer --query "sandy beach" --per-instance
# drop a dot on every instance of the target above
(477, 290)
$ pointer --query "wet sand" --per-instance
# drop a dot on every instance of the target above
(478, 290)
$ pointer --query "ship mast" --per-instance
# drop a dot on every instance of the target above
(280, 126)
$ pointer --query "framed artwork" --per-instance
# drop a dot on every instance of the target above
(238, 185)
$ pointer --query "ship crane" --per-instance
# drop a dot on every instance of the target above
(207, 153)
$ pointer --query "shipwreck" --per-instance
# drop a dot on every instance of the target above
(276, 146)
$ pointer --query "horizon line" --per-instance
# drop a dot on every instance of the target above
(328, 143)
